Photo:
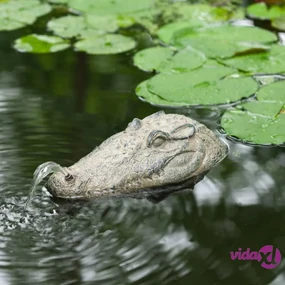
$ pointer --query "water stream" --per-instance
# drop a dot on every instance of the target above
(40, 173)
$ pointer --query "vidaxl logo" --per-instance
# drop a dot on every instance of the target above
(268, 256)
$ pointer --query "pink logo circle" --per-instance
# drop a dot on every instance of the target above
(269, 256)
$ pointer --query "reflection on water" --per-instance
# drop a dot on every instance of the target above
(59, 107)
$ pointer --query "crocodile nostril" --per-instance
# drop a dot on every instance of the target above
(68, 177)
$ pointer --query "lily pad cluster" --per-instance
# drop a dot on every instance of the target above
(261, 121)
(200, 53)
(274, 13)
(197, 64)
(44, 44)
(91, 28)
(15, 14)
(192, 81)
(99, 24)
(224, 41)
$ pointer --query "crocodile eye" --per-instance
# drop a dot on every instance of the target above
(68, 177)
(158, 141)
(157, 138)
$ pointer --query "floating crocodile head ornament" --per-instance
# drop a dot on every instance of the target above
(159, 152)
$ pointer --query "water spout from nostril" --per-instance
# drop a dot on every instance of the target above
(40, 173)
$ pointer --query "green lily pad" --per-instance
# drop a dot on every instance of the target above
(161, 59)
(272, 61)
(143, 92)
(15, 14)
(263, 12)
(273, 91)
(110, 7)
(190, 16)
(207, 93)
(195, 14)
(184, 82)
(266, 108)
(279, 23)
(68, 26)
(211, 71)
(261, 121)
(198, 87)
(183, 61)
(90, 33)
(89, 25)
(59, 1)
(106, 24)
(254, 128)
(40, 44)
(150, 59)
(106, 44)
(223, 41)
(165, 32)
(211, 63)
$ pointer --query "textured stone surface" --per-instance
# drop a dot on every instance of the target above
(159, 151)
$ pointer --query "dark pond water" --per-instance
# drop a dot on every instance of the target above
(59, 107)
